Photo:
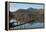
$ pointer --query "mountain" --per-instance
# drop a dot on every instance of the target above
(29, 14)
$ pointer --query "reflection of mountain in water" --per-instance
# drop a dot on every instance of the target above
(27, 25)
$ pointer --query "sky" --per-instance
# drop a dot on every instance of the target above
(16, 6)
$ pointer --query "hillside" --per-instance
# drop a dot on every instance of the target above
(26, 15)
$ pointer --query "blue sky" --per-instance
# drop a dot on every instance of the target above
(16, 6)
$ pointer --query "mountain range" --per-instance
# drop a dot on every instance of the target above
(35, 13)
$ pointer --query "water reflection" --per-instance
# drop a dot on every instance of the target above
(27, 25)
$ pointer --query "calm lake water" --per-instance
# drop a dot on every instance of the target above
(27, 25)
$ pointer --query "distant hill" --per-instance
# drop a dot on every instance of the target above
(28, 14)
